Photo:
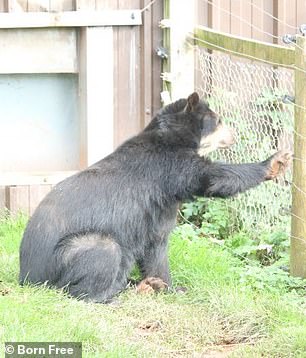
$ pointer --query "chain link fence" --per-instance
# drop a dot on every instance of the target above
(257, 101)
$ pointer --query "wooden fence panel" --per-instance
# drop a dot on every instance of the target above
(36, 194)
(40, 5)
(253, 19)
(136, 79)
(17, 198)
(37, 5)
(22, 198)
(63, 5)
(155, 84)
(127, 79)
(263, 23)
(241, 18)
(2, 197)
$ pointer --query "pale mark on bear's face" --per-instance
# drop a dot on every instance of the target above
(222, 137)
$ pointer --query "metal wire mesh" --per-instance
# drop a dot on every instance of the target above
(256, 100)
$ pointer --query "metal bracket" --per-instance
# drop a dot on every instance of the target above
(287, 99)
(284, 211)
(165, 97)
(165, 23)
(162, 52)
(303, 29)
(167, 76)
(289, 39)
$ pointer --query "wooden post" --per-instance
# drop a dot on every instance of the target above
(298, 228)
(166, 64)
(181, 50)
(96, 93)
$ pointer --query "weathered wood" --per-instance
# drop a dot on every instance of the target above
(16, 5)
(146, 66)
(85, 4)
(182, 52)
(18, 199)
(32, 178)
(38, 5)
(37, 51)
(220, 13)
(252, 49)
(70, 19)
(96, 93)
(111, 5)
(36, 194)
(156, 83)
(166, 62)
(2, 198)
(298, 228)
(263, 24)
(63, 5)
(241, 18)
(127, 79)
(286, 13)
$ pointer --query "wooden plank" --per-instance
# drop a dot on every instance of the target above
(182, 53)
(63, 5)
(2, 198)
(82, 59)
(36, 194)
(300, 12)
(16, 5)
(151, 38)
(127, 70)
(166, 62)
(85, 4)
(202, 13)
(3, 6)
(38, 5)
(39, 50)
(96, 90)
(221, 15)
(252, 49)
(108, 4)
(18, 199)
(127, 67)
(298, 222)
(70, 19)
(156, 83)
(146, 66)
(263, 24)
(241, 18)
(20, 178)
(286, 13)
(100, 97)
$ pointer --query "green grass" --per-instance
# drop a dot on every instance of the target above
(217, 313)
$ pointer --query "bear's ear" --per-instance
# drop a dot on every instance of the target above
(192, 101)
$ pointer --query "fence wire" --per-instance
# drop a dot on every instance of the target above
(256, 101)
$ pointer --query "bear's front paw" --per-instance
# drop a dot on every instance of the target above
(151, 284)
(279, 162)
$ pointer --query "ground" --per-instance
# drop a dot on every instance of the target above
(217, 317)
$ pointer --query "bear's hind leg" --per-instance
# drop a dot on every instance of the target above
(90, 266)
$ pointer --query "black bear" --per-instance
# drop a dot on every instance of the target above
(95, 226)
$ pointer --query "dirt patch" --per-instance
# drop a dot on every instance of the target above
(149, 327)
(4, 291)
(219, 352)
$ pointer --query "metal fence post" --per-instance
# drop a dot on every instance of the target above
(298, 226)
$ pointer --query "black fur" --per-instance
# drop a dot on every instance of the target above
(92, 228)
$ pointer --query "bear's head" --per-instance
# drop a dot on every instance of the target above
(214, 133)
